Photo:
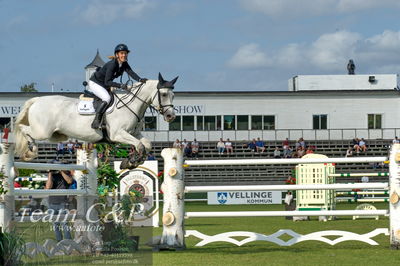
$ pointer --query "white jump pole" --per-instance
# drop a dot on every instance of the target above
(285, 161)
(191, 189)
(7, 180)
(285, 213)
(49, 166)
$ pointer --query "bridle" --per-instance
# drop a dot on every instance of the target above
(160, 108)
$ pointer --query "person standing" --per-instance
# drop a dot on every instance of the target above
(59, 180)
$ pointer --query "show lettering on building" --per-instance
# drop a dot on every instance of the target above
(185, 109)
(9, 110)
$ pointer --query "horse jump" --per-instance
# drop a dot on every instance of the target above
(86, 178)
(174, 213)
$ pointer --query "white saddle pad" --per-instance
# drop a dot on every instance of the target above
(85, 106)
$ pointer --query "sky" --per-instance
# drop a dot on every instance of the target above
(236, 45)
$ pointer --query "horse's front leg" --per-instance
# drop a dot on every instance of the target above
(144, 141)
(137, 157)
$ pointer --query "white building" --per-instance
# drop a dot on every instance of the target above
(314, 107)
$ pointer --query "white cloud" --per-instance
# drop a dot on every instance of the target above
(329, 51)
(249, 56)
(105, 11)
(327, 54)
(277, 8)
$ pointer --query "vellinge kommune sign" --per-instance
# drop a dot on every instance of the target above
(244, 197)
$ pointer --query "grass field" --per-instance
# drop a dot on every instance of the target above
(257, 253)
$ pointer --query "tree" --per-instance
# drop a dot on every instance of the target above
(28, 87)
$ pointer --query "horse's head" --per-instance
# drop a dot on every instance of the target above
(162, 100)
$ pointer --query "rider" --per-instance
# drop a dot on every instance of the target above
(102, 80)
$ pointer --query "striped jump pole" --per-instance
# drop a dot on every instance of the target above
(358, 174)
(30, 179)
(362, 193)
(363, 200)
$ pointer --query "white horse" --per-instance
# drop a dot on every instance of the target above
(56, 118)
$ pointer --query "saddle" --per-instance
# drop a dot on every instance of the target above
(89, 103)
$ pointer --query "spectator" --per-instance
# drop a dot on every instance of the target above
(363, 145)
(277, 153)
(195, 149)
(252, 145)
(349, 152)
(60, 149)
(396, 140)
(59, 180)
(188, 151)
(287, 152)
(151, 157)
(260, 145)
(177, 144)
(301, 152)
(77, 145)
(309, 150)
(221, 146)
(356, 145)
(70, 147)
(228, 147)
(285, 144)
(364, 179)
(6, 131)
(184, 143)
(302, 143)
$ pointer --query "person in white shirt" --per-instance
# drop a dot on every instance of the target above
(396, 140)
(221, 146)
(195, 149)
(363, 145)
(177, 144)
(184, 143)
(228, 147)
(349, 152)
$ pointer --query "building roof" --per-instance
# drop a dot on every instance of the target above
(97, 61)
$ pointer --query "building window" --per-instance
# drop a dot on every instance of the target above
(150, 123)
(188, 123)
(229, 122)
(209, 123)
(176, 124)
(200, 122)
(242, 122)
(256, 122)
(320, 121)
(374, 121)
(269, 122)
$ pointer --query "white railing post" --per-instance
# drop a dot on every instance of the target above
(87, 180)
(7, 200)
(394, 193)
(174, 206)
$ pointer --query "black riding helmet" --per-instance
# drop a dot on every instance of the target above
(121, 47)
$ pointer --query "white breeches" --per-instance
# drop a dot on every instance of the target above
(99, 91)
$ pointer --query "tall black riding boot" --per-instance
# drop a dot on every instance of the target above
(99, 115)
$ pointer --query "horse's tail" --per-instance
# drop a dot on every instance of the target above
(22, 148)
